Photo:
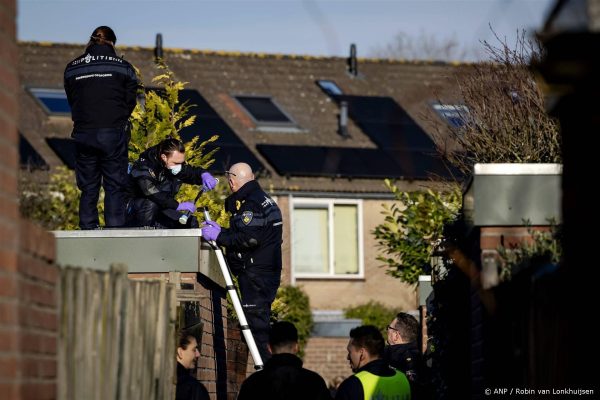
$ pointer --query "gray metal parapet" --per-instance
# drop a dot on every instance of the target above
(510, 194)
(142, 250)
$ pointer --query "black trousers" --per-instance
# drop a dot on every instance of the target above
(101, 159)
(145, 212)
(258, 293)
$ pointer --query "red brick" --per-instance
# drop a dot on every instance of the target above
(8, 314)
(38, 343)
(10, 389)
(37, 293)
(9, 340)
(39, 318)
(39, 368)
(39, 391)
(9, 367)
(40, 269)
(8, 285)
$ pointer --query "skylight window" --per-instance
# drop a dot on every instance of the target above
(53, 101)
(264, 111)
(455, 115)
(330, 88)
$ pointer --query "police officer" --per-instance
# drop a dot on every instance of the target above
(373, 378)
(253, 243)
(155, 180)
(101, 89)
(403, 354)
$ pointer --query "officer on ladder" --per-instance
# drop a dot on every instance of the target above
(253, 243)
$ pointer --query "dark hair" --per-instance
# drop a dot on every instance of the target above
(407, 326)
(369, 338)
(103, 35)
(282, 333)
(184, 339)
(170, 145)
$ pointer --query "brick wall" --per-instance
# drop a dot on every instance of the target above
(223, 354)
(327, 357)
(28, 315)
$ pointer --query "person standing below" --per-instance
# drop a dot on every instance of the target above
(101, 90)
(403, 354)
(283, 377)
(253, 243)
(373, 378)
(155, 180)
(188, 387)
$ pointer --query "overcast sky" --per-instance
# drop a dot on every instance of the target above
(280, 26)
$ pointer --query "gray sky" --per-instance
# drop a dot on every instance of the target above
(310, 27)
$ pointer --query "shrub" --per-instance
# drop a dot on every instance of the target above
(373, 313)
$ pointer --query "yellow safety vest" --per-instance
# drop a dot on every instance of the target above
(377, 387)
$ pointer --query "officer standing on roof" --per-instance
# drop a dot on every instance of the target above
(253, 243)
(101, 89)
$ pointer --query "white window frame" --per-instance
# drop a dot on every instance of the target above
(329, 203)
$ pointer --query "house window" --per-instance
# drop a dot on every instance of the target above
(454, 115)
(330, 87)
(266, 114)
(53, 101)
(327, 239)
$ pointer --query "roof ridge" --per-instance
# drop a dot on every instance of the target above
(227, 53)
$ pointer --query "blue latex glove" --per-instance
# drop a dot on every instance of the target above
(186, 206)
(208, 181)
(210, 230)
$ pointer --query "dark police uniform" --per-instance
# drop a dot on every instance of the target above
(284, 378)
(253, 243)
(101, 89)
(407, 357)
(153, 188)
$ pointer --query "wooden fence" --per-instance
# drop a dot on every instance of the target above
(117, 336)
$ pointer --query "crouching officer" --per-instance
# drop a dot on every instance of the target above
(101, 89)
(253, 243)
(155, 180)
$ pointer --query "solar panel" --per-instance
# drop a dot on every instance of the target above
(263, 110)
(28, 156)
(231, 154)
(329, 161)
(209, 123)
(64, 149)
(53, 101)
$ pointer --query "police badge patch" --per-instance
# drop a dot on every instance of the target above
(246, 217)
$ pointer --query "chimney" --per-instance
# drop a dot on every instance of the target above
(343, 120)
(352, 62)
(158, 50)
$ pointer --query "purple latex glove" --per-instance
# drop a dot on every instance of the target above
(208, 181)
(210, 230)
(186, 206)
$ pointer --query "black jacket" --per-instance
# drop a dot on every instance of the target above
(152, 180)
(101, 89)
(284, 379)
(352, 389)
(253, 240)
(408, 358)
(188, 387)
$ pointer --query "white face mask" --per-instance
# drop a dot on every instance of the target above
(175, 169)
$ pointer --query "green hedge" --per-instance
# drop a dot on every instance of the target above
(373, 313)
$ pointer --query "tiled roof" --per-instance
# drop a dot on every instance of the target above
(290, 80)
